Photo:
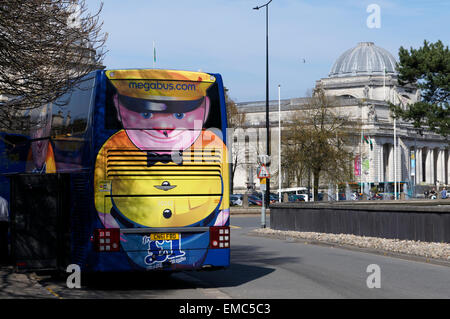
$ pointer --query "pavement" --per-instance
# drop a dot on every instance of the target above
(418, 204)
(252, 210)
(15, 285)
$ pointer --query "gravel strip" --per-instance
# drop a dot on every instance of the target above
(410, 247)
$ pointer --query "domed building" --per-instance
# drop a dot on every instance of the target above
(364, 79)
(364, 59)
(367, 72)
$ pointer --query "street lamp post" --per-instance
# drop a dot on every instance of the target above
(267, 92)
(279, 143)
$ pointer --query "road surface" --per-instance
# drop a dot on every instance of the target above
(260, 268)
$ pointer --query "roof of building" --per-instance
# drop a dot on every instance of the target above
(291, 104)
(364, 59)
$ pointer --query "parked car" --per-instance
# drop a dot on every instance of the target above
(273, 198)
(297, 198)
(254, 200)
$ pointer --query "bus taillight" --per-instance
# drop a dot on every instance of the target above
(107, 239)
(219, 237)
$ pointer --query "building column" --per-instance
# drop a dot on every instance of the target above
(447, 160)
(380, 173)
(440, 169)
(419, 176)
(390, 163)
(429, 167)
(400, 161)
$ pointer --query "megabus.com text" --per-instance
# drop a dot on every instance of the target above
(156, 85)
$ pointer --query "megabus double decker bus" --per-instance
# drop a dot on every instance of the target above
(144, 159)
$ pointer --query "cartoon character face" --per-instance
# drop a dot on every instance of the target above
(163, 131)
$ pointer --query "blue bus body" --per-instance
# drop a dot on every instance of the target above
(132, 205)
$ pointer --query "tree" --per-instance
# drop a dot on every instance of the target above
(46, 48)
(429, 69)
(235, 120)
(315, 142)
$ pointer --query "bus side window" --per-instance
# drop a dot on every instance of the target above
(71, 111)
(111, 119)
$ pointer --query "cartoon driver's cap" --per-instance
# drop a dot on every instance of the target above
(143, 105)
(161, 91)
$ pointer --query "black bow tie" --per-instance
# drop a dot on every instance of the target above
(153, 158)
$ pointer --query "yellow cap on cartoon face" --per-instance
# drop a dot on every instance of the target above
(161, 85)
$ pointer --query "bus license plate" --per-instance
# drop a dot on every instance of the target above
(165, 236)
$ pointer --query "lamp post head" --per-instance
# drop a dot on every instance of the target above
(265, 5)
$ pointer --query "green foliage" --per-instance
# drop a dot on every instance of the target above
(429, 69)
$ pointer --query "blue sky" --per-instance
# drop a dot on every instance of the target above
(228, 37)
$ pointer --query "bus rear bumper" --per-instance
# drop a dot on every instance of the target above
(196, 259)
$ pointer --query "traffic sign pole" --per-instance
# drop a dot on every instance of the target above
(263, 175)
(263, 210)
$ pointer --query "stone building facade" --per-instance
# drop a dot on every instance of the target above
(364, 79)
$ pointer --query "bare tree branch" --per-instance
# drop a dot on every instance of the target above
(235, 120)
(315, 142)
(46, 48)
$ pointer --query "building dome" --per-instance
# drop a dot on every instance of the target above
(364, 59)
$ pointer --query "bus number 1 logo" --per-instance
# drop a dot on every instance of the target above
(160, 251)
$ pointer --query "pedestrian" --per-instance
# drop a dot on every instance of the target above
(444, 193)
(433, 194)
(4, 222)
